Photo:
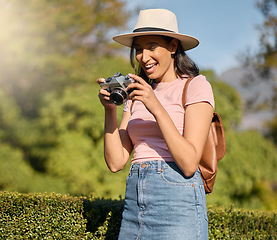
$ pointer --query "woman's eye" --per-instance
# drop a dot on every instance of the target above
(152, 48)
(138, 51)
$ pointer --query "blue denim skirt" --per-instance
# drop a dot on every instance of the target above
(161, 203)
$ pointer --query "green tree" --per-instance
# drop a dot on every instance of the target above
(74, 118)
(51, 53)
(267, 56)
(16, 172)
(44, 45)
(264, 59)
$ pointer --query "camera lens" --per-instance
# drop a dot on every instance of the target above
(118, 96)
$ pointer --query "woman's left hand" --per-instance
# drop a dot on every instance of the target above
(143, 92)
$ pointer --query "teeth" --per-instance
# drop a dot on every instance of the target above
(149, 66)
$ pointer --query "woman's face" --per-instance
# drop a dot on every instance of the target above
(154, 55)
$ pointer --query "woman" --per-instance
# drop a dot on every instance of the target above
(165, 197)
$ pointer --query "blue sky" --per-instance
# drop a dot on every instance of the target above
(225, 28)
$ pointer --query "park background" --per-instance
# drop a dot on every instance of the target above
(51, 121)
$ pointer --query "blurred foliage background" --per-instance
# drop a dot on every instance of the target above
(51, 121)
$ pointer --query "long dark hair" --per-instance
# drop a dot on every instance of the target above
(182, 63)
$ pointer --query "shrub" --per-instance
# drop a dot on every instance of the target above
(41, 216)
(56, 216)
(241, 224)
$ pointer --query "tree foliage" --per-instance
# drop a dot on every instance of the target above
(264, 58)
(267, 56)
(45, 45)
(50, 55)
(227, 100)
(263, 61)
(247, 174)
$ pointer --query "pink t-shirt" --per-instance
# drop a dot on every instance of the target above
(143, 129)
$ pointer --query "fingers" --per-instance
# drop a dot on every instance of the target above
(138, 91)
(138, 79)
(104, 92)
(140, 83)
(133, 86)
(100, 80)
(104, 96)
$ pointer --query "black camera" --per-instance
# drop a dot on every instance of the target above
(117, 85)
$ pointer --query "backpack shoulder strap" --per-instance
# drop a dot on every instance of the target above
(185, 90)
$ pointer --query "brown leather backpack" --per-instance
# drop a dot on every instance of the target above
(214, 149)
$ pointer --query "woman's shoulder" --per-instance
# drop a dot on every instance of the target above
(200, 90)
(199, 80)
(200, 77)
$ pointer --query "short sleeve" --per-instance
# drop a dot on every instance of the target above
(127, 106)
(200, 90)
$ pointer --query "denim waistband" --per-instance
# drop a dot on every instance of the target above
(153, 165)
(157, 165)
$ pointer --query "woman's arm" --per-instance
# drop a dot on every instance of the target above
(117, 144)
(186, 150)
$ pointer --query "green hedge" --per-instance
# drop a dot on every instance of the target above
(56, 216)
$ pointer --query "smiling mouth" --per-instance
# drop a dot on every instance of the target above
(150, 67)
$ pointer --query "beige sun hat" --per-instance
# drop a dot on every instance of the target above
(157, 22)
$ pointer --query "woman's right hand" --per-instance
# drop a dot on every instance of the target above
(104, 96)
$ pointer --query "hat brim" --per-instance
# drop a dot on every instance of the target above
(188, 42)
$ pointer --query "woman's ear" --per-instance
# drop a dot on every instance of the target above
(173, 46)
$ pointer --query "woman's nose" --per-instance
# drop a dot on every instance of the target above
(145, 55)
